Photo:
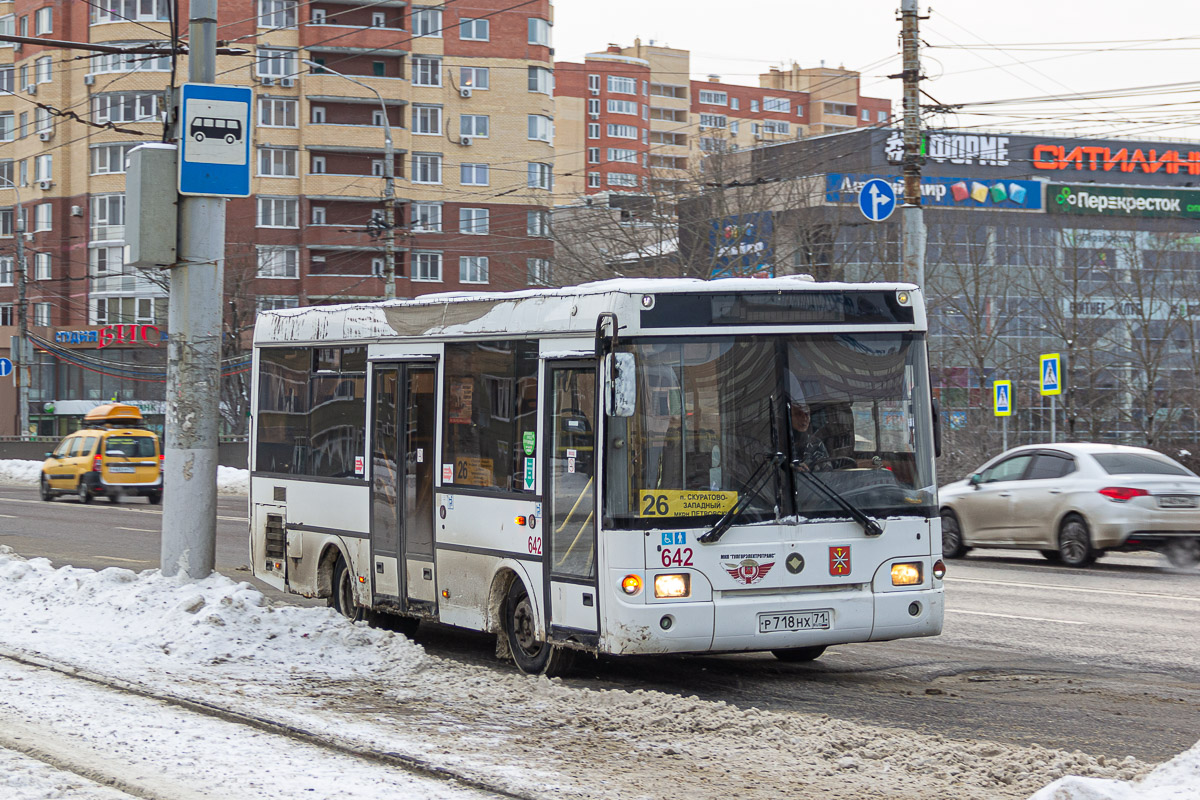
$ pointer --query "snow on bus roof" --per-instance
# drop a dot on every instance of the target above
(447, 313)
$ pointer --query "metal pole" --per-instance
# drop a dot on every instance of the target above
(22, 354)
(389, 184)
(911, 218)
(1053, 418)
(189, 528)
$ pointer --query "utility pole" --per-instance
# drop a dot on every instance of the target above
(23, 369)
(389, 183)
(189, 527)
(912, 221)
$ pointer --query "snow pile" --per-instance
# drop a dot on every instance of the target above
(224, 643)
(1177, 779)
(231, 480)
(17, 472)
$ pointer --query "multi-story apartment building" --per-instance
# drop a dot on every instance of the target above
(631, 119)
(466, 92)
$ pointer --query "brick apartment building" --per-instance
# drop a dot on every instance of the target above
(630, 119)
(467, 92)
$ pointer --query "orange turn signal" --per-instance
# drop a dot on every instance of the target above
(631, 584)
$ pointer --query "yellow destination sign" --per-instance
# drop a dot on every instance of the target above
(680, 503)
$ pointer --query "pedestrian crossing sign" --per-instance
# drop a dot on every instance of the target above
(1051, 371)
(1002, 398)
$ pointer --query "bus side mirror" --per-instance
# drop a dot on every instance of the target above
(620, 386)
(937, 428)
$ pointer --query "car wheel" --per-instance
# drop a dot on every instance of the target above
(794, 655)
(47, 495)
(1075, 543)
(1053, 556)
(1184, 553)
(952, 538)
(154, 498)
(342, 599)
(82, 490)
(531, 656)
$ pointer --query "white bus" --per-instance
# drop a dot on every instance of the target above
(620, 467)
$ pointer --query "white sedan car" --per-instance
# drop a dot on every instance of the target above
(1073, 501)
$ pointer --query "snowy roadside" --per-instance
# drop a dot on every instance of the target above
(222, 641)
(19, 472)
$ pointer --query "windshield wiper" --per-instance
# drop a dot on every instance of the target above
(749, 491)
(870, 526)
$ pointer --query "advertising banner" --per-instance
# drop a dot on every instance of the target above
(1011, 195)
(742, 246)
(1122, 201)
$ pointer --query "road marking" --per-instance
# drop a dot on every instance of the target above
(139, 530)
(10, 516)
(1080, 589)
(124, 560)
(115, 507)
(1013, 616)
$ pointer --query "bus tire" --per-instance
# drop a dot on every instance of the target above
(796, 655)
(531, 656)
(341, 599)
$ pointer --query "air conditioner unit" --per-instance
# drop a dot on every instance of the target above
(31, 88)
(89, 79)
(45, 184)
(76, 211)
(465, 141)
(464, 92)
(594, 115)
(267, 81)
(46, 136)
(595, 90)
(287, 83)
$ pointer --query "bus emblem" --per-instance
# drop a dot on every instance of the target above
(748, 570)
(839, 560)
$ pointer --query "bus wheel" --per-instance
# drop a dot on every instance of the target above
(342, 599)
(198, 136)
(531, 656)
(798, 654)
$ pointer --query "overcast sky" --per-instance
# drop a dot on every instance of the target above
(1081, 47)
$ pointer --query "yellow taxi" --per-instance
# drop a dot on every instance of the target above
(113, 455)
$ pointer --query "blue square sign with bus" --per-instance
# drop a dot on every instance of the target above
(214, 140)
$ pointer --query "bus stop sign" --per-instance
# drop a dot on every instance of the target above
(214, 140)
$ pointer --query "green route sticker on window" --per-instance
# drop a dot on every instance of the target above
(528, 440)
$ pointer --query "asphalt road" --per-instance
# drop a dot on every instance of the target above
(1104, 659)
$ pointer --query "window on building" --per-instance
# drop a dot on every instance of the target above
(43, 21)
(541, 80)
(6, 314)
(593, 130)
(41, 315)
(538, 271)
(474, 220)
(473, 174)
(754, 105)
(427, 168)
(427, 120)
(475, 125)
(108, 159)
(537, 223)
(622, 131)
(131, 11)
(593, 155)
(316, 165)
(622, 179)
(622, 107)
(541, 128)
(779, 105)
(318, 115)
(278, 212)
(622, 85)
(378, 118)
(426, 71)
(275, 63)
(378, 19)
(473, 77)
(377, 265)
(593, 180)
(866, 115)
(107, 217)
(474, 30)
(620, 155)
(427, 22)
(838, 109)
(734, 127)
(275, 112)
(427, 217)
(318, 215)
(43, 217)
(776, 126)
(539, 176)
(128, 62)
(473, 269)
(709, 97)
(594, 84)
(6, 78)
(279, 262)
(43, 69)
(593, 106)
(668, 90)
(734, 104)
(427, 266)
(6, 172)
(274, 302)
(125, 107)
(276, 162)
(41, 267)
(276, 13)
(539, 31)
(881, 116)
(43, 167)
(712, 121)
(6, 270)
(377, 167)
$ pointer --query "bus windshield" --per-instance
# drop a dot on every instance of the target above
(850, 409)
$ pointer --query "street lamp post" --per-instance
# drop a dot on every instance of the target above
(389, 185)
(21, 359)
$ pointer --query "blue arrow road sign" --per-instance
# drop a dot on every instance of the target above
(877, 200)
(6, 367)
(1051, 370)
(214, 140)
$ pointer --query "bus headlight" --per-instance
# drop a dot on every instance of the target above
(906, 574)
(673, 585)
(631, 584)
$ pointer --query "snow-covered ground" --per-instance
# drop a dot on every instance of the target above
(18, 472)
(223, 643)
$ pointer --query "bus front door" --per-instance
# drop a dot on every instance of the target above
(402, 464)
(569, 453)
